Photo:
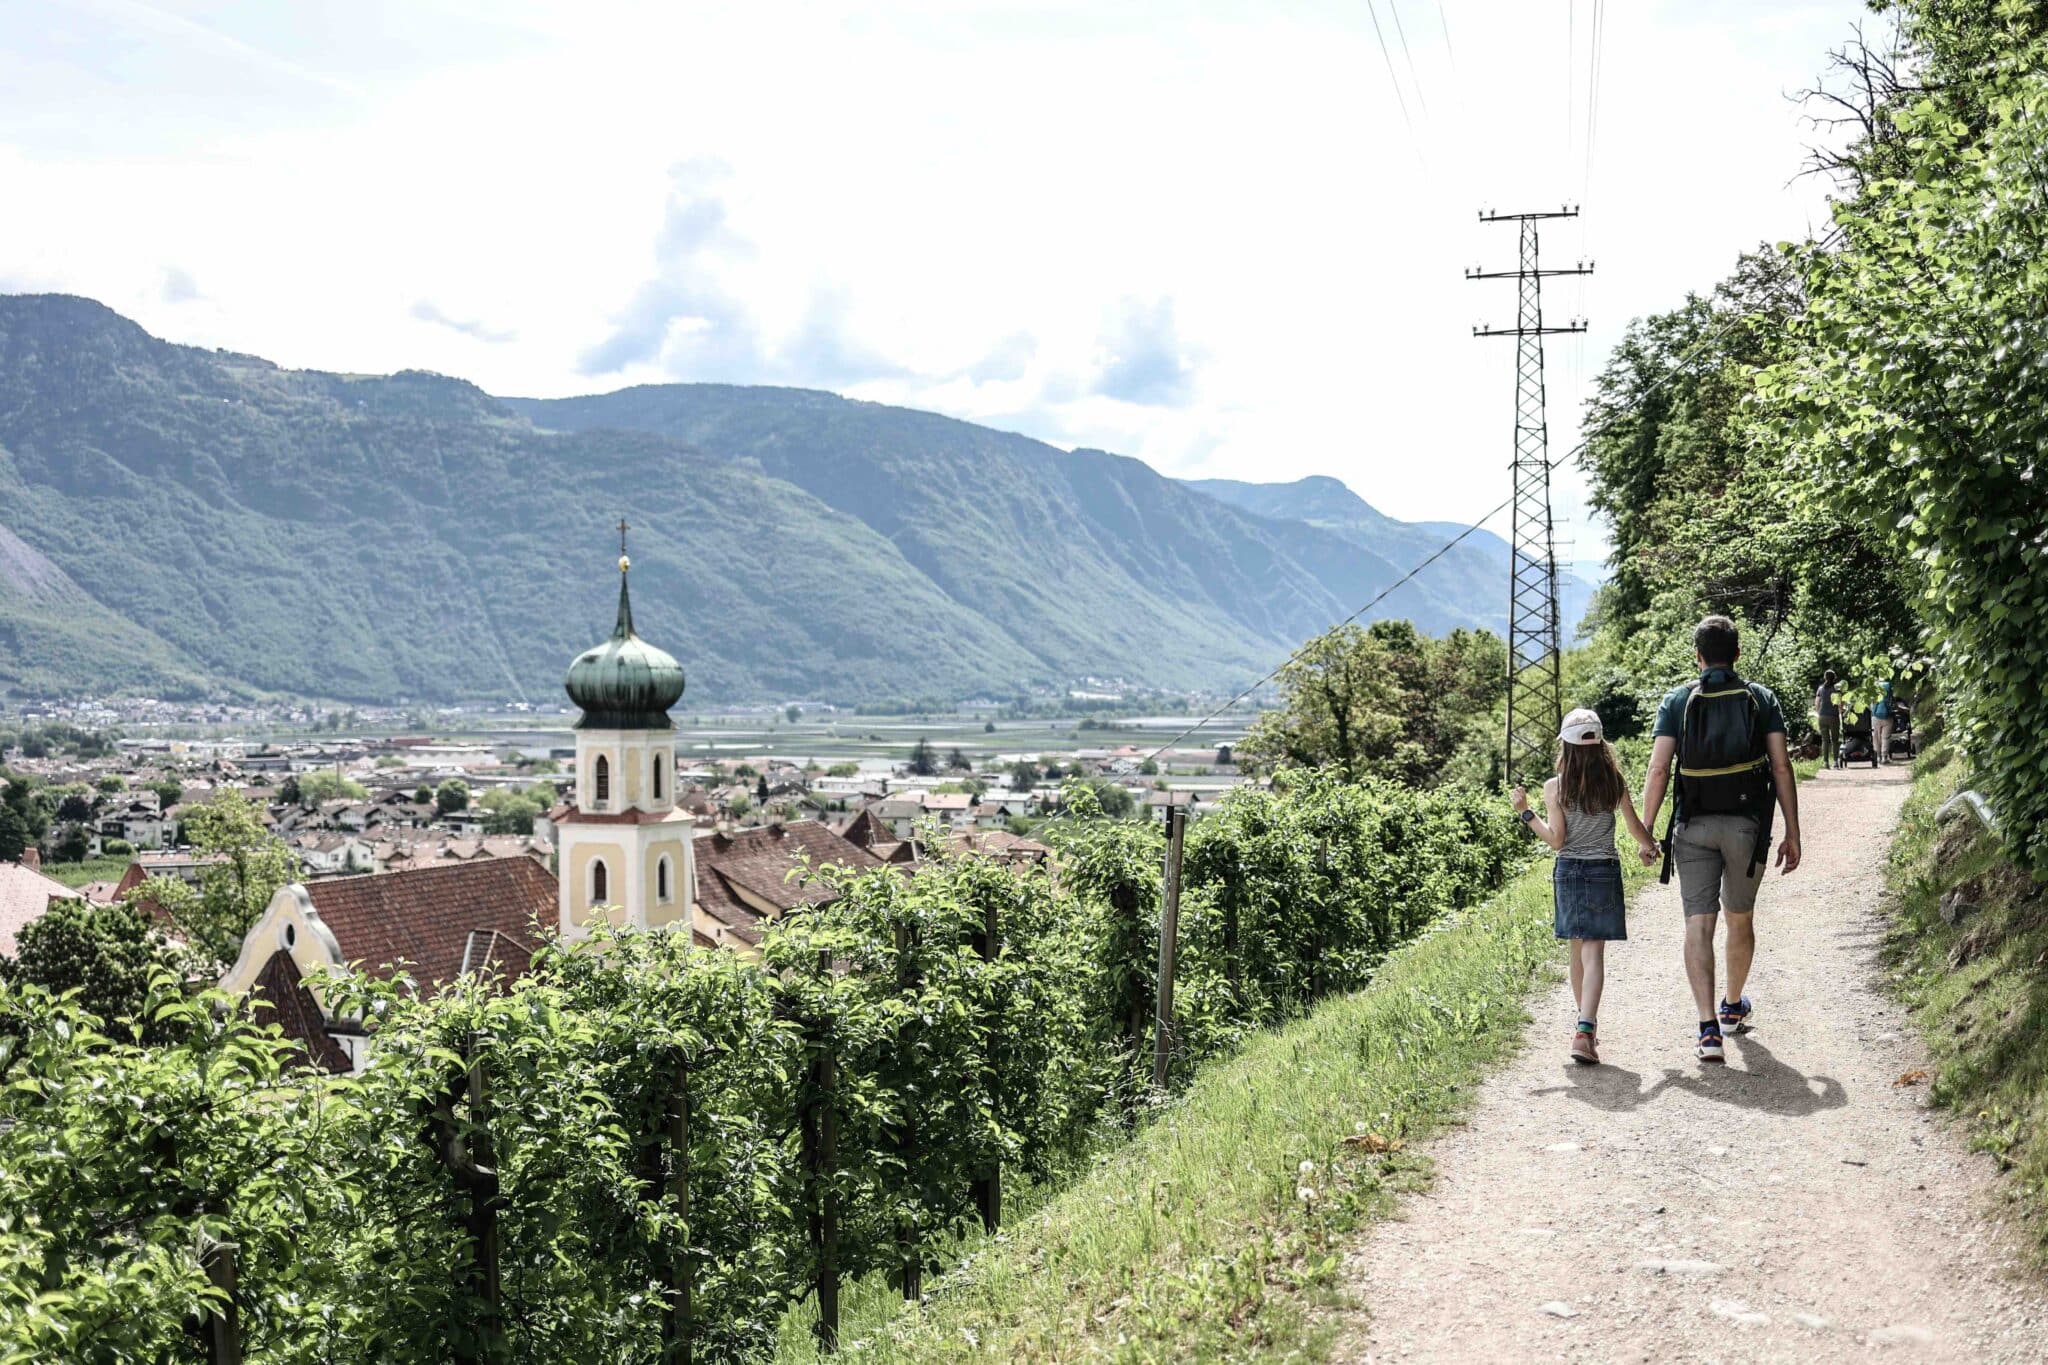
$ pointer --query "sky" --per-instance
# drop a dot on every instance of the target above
(1228, 238)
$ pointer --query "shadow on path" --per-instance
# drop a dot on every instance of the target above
(1761, 1082)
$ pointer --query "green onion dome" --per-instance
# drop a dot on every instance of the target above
(625, 683)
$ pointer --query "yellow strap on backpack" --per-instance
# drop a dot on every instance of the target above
(1684, 771)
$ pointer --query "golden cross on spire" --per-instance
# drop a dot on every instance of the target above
(624, 563)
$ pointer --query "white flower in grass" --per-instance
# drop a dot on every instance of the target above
(1305, 1194)
(1307, 1168)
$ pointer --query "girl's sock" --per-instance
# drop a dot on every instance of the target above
(1586, 1025)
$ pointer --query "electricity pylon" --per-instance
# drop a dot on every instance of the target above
(1535, 680)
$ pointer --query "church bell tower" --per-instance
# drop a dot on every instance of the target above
(624, 845)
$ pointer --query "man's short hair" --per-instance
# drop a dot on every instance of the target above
(1716, 640)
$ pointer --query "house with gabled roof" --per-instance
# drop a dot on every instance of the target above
(748, 879)
(430, 925)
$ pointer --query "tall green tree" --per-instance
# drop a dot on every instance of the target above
(1383, 700)
(14, 835)
(107, 953)
(243, 866)
(322, 785)
(1708, 515)
(1912, 394)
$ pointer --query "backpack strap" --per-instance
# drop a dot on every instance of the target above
(1677, 787)
(1760, 853)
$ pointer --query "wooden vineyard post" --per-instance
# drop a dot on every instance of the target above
(908, 1257)
(1123, 900)
(470, 1164)
(988, 1189)
(819, 1137)
(220, 1329)
(1230, 953)
(1169, 933)
(677, 1325)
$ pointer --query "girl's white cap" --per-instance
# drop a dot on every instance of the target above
(1582, 727)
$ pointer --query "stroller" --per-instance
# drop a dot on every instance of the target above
(1902, 743)
(1857, 745)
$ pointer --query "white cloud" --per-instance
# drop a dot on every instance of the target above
(426, 310)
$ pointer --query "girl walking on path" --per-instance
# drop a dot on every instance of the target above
(1591, 911)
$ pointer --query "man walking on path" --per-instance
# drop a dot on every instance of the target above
(1827, 709)
(1728, 738)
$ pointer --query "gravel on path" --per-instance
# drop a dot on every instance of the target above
(1797, 1204)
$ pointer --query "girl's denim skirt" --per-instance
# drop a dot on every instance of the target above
(1590, 903)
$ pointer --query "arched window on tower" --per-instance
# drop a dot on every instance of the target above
(657, 777)
(600, 889)
(661, 880)
(601, 776)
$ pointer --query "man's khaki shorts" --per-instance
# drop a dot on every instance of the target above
(1712, 853)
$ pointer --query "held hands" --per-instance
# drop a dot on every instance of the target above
(1519, 798)
(1647, 850)
(1788, 854)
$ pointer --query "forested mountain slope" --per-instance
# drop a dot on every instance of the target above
(185, 520)
(1140, 565)
(1474, 572)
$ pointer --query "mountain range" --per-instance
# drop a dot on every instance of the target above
(190, 522)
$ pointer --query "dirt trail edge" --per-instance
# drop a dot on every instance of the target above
(1796, 1204)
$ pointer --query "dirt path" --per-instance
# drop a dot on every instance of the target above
(1795, 1205)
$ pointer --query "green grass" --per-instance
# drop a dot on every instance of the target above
(1978, 987)
(107, 869)
(1192, 1241)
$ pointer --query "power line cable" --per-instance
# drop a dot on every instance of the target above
(1593, 89)
(1409, 57)
(1571, 77)
(1373, 10)
(1378, 598)
(1445, 22)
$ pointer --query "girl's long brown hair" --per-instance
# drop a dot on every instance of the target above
(1589, 776)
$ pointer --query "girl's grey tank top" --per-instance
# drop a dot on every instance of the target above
(1588, 834)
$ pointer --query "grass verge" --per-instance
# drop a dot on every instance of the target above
(1969, 950)
(1218, 1232)
(108, 869)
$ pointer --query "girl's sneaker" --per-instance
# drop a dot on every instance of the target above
(1584, 1050)
(1735, 1017)
(1709, 1049)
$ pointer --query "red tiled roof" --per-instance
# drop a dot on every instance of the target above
(424, 919)
(759, 861)
(867, 830)
(24, 895)
(1001, 845)
(574, 815)
(282, 996)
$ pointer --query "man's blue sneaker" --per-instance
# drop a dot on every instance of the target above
(1735, 1017)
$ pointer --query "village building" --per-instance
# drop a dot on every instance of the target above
(431, 924)
(623, 845)
(25, 897)
(750, 878)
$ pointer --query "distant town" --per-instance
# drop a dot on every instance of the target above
(355, 790)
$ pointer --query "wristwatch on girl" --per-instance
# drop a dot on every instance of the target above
(1528, 817)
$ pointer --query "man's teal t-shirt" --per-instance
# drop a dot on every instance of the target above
(1671, 714)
